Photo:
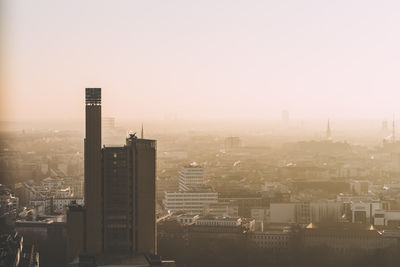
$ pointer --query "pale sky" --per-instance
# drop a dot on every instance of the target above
(201, 59)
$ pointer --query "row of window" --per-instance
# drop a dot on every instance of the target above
(271, 237)
(271, 244)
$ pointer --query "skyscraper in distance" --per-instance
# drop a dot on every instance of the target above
(119, 217)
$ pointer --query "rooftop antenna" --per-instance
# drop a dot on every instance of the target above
(132, 135)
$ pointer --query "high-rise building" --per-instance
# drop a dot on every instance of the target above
(93, 180)
(193, 195)
(129, 174)
(191, 175)
(119, 217)
(76, 231)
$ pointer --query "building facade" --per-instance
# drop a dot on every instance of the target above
(93, 181)
(193, 202)
(191, 175)
(129, 197)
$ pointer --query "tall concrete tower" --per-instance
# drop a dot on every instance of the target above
(93, 177)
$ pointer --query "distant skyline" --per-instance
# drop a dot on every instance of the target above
(201, 60)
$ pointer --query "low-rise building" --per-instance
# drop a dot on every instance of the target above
(221, 209)
(192, 201)
(387, 218)
(346, 238)
(276, 241)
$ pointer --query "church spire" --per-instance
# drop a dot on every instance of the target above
(142, 135)
(328, 131)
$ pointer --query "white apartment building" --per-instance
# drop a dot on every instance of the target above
(193, 195)
(191, 175)
(192, 202)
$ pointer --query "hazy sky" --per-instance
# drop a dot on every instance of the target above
(201, 59)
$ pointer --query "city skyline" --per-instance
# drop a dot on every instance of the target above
(188, 134)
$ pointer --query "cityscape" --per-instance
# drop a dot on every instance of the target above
(194, 135)
(197, 195)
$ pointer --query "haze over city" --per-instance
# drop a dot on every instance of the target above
(199, 133)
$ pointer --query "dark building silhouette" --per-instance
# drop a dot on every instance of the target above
(118, 221)
(93, 179)
(129, 197)
(76, 230)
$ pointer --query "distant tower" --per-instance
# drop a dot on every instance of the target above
(142, 135)
(328, 131)
(394, 130)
